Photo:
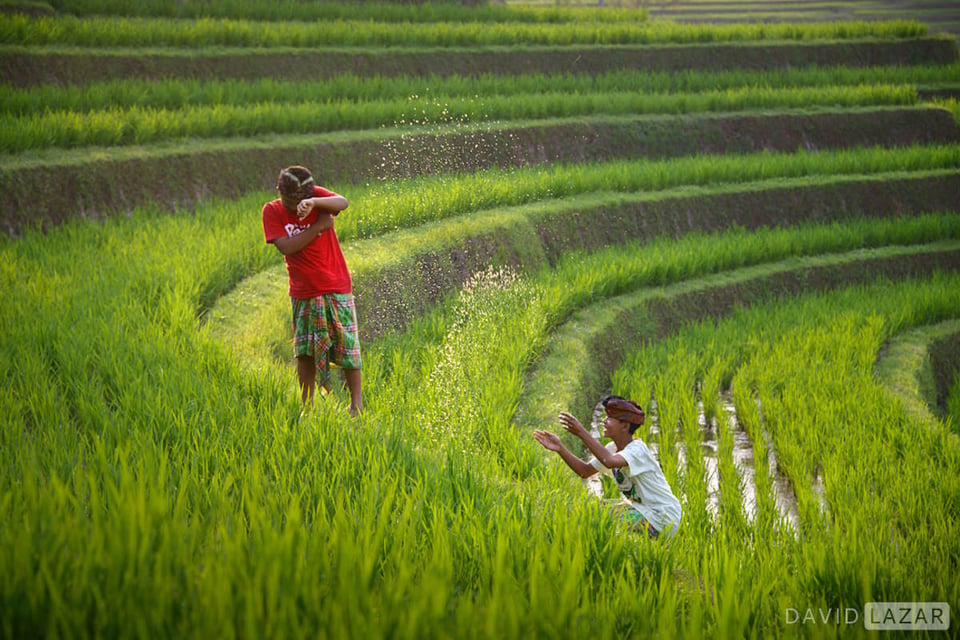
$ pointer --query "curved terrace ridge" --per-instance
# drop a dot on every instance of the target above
(919, 368)
(392, 287)
(98, 185)
(567, 376)
(23, 67)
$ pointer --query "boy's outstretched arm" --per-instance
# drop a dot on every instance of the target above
(606, 458)
(551, 442)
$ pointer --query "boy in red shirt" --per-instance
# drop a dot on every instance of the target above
(300, 225)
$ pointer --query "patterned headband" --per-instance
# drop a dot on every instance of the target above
(623, 410)
(300, 185)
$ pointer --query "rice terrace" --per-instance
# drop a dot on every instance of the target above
(742, 214)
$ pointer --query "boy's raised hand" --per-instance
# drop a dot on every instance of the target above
(305, 206)
(550, 441)
(571, 424)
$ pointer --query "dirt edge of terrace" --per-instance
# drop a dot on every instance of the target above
(23, 67)
(99, 188)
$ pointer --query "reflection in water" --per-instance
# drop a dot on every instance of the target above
(742, 456)
(783, 495)
(708, 449)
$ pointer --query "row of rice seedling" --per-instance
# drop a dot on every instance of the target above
(434, 11)
(393, 287)
(939, 15)
(174, 93)
(802, 373)
(615, 309)
(403, 203)
(390, 204)
(137, 125)
(107, 32)
(30, 66)
(953, 403)
(116, 177)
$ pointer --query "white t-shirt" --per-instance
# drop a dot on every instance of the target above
(644, 485)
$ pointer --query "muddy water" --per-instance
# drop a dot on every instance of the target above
(783, 494)
(708, 450)
(742, 456)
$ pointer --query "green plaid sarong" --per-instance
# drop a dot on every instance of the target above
(325, 327)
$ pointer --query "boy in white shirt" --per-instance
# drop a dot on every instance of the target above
(649, 504)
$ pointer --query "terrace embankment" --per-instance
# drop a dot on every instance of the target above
(22, 67)
(389, 297)
(920, 367)
(945, 361)
(939, 15)
(640, 318)
(129, 178)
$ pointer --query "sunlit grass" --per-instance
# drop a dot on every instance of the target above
(115, 126)
(102, 32)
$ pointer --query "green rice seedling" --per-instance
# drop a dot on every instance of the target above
(204, 33)
(834, 576)
(438, 10)
(737, 488)
(951, 105)
(906, 369)
(408, 202)
(138, 125)
(178, 93)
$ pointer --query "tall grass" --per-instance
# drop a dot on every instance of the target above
(953, 405)
(109, 32)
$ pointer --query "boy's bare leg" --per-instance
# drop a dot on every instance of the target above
(352, 378)
(307, 373)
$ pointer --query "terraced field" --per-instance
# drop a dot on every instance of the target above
(942, 16)
(753, 230)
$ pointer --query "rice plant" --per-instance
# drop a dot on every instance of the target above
(103, 32)
(137, 125)
(174, 93)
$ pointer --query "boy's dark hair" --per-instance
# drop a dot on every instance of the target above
(624, 409)
(295, 182)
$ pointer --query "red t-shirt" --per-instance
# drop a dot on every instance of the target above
(319, 267)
